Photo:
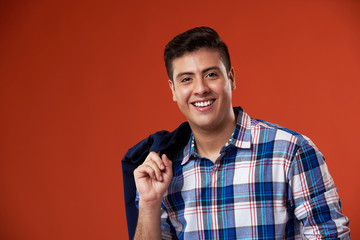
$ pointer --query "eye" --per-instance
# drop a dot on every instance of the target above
(211, 75)
(186, 79)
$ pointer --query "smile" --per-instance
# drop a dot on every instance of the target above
(203, 104)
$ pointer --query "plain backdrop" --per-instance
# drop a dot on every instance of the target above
(83, 81)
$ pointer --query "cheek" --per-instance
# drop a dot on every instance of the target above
(220, 88)
(183, 94)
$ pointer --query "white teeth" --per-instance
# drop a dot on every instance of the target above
(203, 104)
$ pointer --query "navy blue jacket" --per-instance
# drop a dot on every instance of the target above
(164, 142)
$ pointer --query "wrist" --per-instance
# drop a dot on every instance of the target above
(150, 205)
(150, 210)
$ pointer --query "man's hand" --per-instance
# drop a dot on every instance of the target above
(152, 178)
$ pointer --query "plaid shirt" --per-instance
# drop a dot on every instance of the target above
(268, 183)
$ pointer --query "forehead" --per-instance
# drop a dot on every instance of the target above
(197, 61)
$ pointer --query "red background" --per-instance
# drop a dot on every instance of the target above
(81, 82)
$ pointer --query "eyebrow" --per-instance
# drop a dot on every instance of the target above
(191, 73)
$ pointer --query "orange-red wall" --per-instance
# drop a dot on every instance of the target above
(81, 82)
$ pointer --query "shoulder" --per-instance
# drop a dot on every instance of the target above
(281, 136)
(282, 133)
(161, 141)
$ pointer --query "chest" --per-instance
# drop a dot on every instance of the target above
(234, 174)
(237, 190)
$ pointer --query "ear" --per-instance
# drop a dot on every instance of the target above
(232, 78)
(172, 87)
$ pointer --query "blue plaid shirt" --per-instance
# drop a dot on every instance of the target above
(268, 183)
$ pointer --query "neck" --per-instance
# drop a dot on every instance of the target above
(210, 141)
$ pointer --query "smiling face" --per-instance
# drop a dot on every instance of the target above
(202, 89)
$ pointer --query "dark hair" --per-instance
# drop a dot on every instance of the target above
(192, 40)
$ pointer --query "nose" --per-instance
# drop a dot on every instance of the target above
(201, 86)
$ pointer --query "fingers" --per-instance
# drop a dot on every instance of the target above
(155, 157)
(153, 166)
(154, 169)
(167, 162)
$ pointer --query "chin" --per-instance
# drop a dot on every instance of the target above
(205, 125)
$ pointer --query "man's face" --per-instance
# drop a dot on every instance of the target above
(202, 89)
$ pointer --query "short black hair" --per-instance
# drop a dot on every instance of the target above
(192, 40)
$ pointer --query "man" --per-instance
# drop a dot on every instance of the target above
(234, 177)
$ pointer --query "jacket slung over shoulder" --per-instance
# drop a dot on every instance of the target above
(165, 142)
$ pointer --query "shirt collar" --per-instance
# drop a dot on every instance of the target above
(242, 131)
(240, 138)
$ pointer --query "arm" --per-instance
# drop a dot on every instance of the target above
(152, 179)
(314, 197)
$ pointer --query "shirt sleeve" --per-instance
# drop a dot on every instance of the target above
(314, 197)
(167, 230)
